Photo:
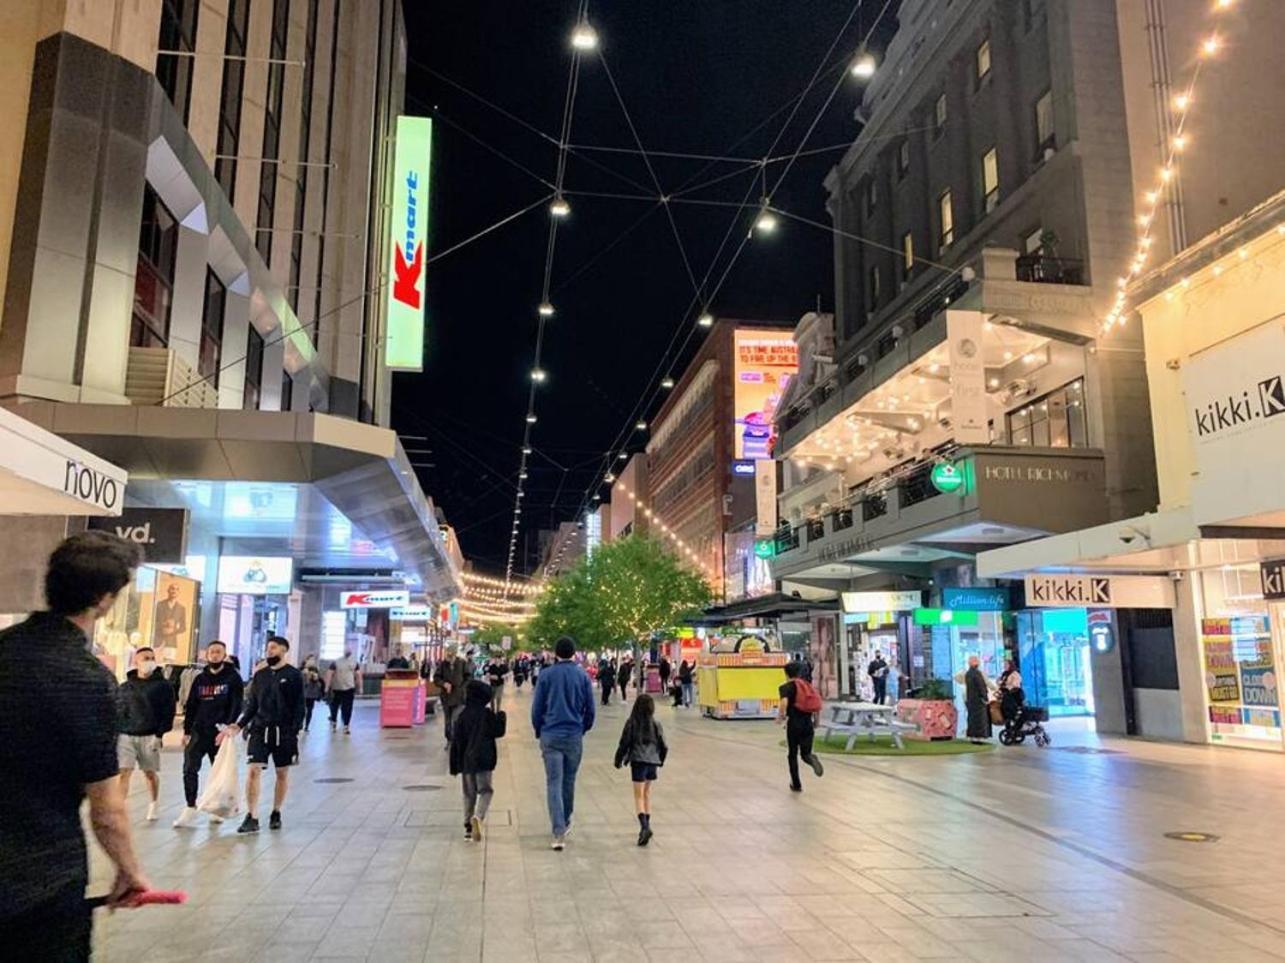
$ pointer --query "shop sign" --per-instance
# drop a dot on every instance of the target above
(975, 599)
(1099, 591)
(408, 227)
(374, 600)
(161, 533)
(743, 467)
(945, 617)
(411, 613)
(1273, 575)
(764, 547)
(947, 477)
(255, 575)
(882, 601)
(1101, 632)
(765, 496)
(964, 330)
(95, 487)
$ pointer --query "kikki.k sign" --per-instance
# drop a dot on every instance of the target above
(408, 234)
(1099, 591)
(1273, 575)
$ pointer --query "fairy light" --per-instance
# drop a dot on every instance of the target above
(681, 545)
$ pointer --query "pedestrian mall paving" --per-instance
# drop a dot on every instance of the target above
(1019, 854)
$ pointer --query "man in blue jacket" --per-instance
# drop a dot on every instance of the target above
(561, 713)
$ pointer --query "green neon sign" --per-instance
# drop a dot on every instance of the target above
(944, 617)
(408, 237)
(947, 477)
(765, 547)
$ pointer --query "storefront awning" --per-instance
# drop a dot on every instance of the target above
(775, 606)
(43, 474)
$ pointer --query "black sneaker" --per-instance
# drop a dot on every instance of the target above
(796, 789)
(274, 820)
(815, 763)
(644, 836)
(248, 825)
(468, 829)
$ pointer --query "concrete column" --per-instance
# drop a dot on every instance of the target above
(22, 576)
(188, 304)
(236, 334)
(1191, 671)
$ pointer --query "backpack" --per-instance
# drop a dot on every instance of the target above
(806, 698)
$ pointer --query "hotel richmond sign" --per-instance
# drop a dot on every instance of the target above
(408, 234)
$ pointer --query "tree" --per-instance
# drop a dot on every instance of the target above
(629, 588)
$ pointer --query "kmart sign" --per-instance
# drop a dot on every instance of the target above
(408, 230)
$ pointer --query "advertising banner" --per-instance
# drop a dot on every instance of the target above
(765, 496)
(251, 575)
(976, 598)
(174, 618)
(764, 363)
(1258, 684)
(882, 601)
(375, 600)
(411, 613)
(161, 533)
(408, 234)
(967, 377)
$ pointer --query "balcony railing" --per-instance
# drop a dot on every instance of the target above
(918, 487)
(874, 506)
(1042, 269)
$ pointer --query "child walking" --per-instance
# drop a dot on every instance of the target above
(642, 745)
(473, 754)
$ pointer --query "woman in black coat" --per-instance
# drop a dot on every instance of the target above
(622, 677)
(976, 699)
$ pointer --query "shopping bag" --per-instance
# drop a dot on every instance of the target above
(997, 713)
(222, 795)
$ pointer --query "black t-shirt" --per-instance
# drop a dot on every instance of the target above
(57, 734)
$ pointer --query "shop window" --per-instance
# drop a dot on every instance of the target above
(990, 180)
(178, 34)
(939, 115)
(314, 327)
(946, 216)
(253, 392)
(1033, 242)
(1056, 420)
(212, 313)
(229, 142)
(154, 274)
(1045, 138)
(983, 61)
(907, 256)
(903, 159)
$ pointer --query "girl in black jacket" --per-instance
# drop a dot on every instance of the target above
(642, 745)
(473, 753)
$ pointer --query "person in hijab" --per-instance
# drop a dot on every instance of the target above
(976, 697)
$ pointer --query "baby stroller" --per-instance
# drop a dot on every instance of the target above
(1025, 721)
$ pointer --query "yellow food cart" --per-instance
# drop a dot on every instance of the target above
(741, 679)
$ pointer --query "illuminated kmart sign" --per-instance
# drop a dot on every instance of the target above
(408, 229)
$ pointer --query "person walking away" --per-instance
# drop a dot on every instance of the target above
(214, 701)
(314, 688)
(976, 697)
(666, 670)
(606, 679)
(272, 716)
(473, 753)
(642, 745)
(451, 676)
(562, 711)
(878, 672)
(622, 678)
(399, 661)
(146, 702)
(343, 678)
(58, 747)
(797, 711)
(685, 680)
(496, 670)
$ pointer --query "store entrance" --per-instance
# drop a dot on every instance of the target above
(861, 642)
(1056, 661)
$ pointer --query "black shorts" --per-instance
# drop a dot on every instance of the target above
(644, 771)
(280, 746)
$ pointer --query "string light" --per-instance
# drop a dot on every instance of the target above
(560, 207)
(584, 37)
(545, 310)
(706, 320)
(667, 383)
(539, 375)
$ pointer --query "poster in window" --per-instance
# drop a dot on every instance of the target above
(1221, 679)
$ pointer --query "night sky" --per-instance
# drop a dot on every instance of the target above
(697, 76)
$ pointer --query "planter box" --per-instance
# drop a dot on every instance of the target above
(935, 718)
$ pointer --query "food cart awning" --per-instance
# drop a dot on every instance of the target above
(774, 606)
(43, 474)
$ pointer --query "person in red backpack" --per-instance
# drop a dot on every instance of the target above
(798, 709)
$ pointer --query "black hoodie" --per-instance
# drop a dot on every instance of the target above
(476, 729)
(275, 699)
(213, 700)
(145, 706)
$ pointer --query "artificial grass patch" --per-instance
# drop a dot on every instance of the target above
(884, 746)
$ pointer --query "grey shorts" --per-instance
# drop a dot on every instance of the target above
(138, 752)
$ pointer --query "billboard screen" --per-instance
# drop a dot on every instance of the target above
(408, 232)
(255, 575)
(764, 364)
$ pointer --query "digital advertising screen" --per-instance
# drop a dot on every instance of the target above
(764, 364)
(255, 574)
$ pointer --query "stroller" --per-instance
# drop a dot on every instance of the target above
(1025, 721)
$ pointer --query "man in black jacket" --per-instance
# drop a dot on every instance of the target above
(213, 701)
(272, 716)
(146, 705)
(452, 675)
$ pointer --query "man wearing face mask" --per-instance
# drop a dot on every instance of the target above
(273, 716)
(213, 701)
(146, 701)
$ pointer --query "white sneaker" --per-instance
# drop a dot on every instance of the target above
(216, 819)
(558, 843)
(151, 812)
(186, 819)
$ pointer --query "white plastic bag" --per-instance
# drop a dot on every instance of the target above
(222, 795)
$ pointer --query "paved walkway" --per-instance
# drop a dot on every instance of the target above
(1019, 855)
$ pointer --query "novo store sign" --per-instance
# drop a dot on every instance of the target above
(408, 236)
(1099, 591)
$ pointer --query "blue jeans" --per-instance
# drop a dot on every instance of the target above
(689, 689)
(561, 763)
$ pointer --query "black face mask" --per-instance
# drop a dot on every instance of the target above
(215, 666)
(272, 660)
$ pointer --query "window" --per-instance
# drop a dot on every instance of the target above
(253, 371)
(872, 289)
(154, 275)
(990, 180)
(314, 327)
(939, 115)
(872, 195)
(1033, 243)
(272, 131)
(947, 215)
(178, 33)
(1055, 421)
(907, 256)
(216, 297)
(230, 96)
(287, 391)
(1045, 139)
(301, 179)
(983, 60)
(903, 159)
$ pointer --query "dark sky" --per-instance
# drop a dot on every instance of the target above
(697, 76)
